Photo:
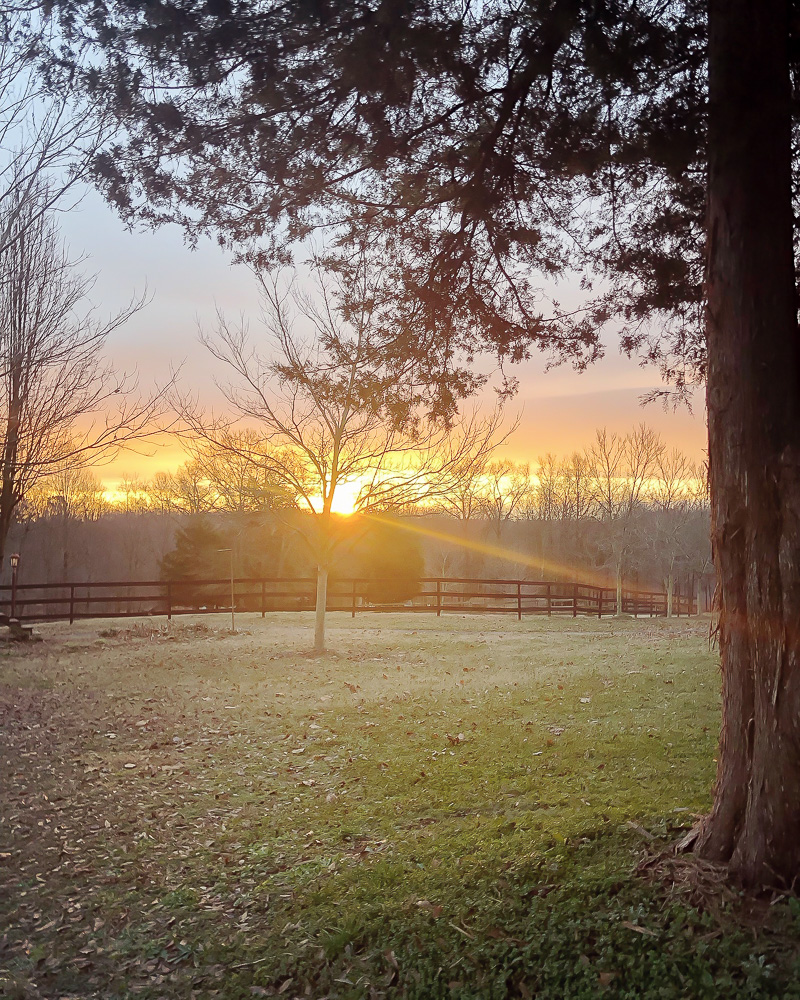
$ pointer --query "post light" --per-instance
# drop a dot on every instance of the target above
(14, 560)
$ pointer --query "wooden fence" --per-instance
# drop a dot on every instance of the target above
(442, 595)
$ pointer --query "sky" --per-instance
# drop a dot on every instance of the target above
(560, 409)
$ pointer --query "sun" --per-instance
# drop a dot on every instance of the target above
(345, 499)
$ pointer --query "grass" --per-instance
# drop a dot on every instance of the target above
(449, 808)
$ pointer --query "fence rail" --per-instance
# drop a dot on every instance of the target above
(436, 595)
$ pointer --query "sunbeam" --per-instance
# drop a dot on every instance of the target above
(565, 570)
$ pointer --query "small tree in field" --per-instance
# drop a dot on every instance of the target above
(334, 418)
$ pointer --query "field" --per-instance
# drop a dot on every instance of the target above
(454, 807)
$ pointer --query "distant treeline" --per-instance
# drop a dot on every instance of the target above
(625, 511)
(141, 545)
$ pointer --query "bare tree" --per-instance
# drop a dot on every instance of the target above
(238, 472)
(68, 496)
(674, 496)
(59, 401)
(546, 499)
(467, 496)
(185, 491)
(71, 490)
(132, 495)
(622, 468)
(579, 497)
(48, 142)
(334, 418)
(508, 488)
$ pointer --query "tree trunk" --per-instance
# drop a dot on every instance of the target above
(753, 393)
(619, 587)
(670, 586)
(9, 493)
(322, 601)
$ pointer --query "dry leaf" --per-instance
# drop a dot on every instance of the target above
(638, 929)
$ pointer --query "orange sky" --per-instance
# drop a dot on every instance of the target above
(559, 424)
(560, 409)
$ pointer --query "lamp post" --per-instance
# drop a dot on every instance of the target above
(14, 560)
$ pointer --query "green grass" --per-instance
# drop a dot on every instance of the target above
(449, 807)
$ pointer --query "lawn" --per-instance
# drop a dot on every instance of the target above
(458, 807)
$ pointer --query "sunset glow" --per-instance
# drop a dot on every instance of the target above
(344, 500)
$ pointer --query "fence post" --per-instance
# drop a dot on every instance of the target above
(72, 603)
(549, 602)
(519, 601)
(599, 602)
(438, 598)
(353, 612)
(169, 600)
(263, 598)
(574, 600)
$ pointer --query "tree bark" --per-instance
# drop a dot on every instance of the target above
(753, 392)
(9, 492)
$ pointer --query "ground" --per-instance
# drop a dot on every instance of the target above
(465, 806)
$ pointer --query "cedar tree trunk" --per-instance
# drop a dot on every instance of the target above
(754, 443)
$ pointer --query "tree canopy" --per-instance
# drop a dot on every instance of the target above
(497, 148)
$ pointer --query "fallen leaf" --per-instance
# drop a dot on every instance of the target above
(462, 930)
(639, 930)
(640, 830)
